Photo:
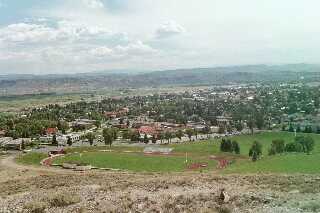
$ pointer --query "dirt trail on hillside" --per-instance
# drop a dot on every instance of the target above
(26, 189)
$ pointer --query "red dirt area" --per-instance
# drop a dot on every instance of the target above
(47, 162)
(195, 166)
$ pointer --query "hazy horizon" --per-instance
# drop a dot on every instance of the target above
(69, 36)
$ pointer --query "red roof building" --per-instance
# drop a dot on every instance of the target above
(147, 130)
(51, 131)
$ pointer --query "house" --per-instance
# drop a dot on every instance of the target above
(51, 131)
(214, 129)
(223, 121)
(147, 130)
(116, 114)
(83, 124)
(62, 139)
(5, 140)
(45, 139)
(16, 144)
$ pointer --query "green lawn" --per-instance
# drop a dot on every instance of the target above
(197, 152)
(287, 163)
(266, 138)
(245, 142)
(132, 161)
(204, 147)
(31, 158)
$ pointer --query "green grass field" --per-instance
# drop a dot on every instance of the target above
(286, 163)
(198, 152)
(31, 158)
(132, 161)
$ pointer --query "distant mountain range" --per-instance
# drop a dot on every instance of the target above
(90, 82)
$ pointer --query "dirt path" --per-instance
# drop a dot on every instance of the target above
(9, 169)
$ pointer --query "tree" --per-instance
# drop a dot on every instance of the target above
(168, 136)
(161, 136)
(154, 139)
(90, 136)
(23, 145)
(126, 134)
(190, 133)
(114, 133)
(239, 126)
(62, 126)
(308, 129)
(221, 130)
(54, 140)
(145, 139)
(206, 130)
(277, 146)
(259, 120)
(135, 136)
(107, 136)
(307, 143)
(250, 124)
(291, 129)
(226, 145)
(69, 141)
(235, 147)
(255, 151)
(179, 134)
(298, 128)
(97, 123)
(293, 147)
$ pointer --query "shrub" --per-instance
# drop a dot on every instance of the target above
(235, 147)
(35, 207)
(306, 142)
(277, 146)
(63, 199)
(255, 150)
(226, 145)
(293, 147)
(224, 209)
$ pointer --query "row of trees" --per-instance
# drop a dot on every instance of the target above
(307, 129)
(301, 144)
(227, 145)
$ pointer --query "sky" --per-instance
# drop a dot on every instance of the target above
(76, 36)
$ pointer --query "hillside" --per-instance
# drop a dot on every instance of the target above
(97, 81)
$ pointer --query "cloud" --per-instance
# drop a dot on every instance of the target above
(23, 32)
(101, 52)
(93, 4)
(169, 29)
(35, 33)
(133, 49)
